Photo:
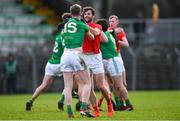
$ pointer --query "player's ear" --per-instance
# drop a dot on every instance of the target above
(94, 17)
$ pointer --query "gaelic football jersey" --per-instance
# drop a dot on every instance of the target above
(57, 50)
(108, 50)
(119, 36)
(92, 45)
(73, 33)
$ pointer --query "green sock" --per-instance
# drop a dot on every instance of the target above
(80, 102)
(119, 102)
(69, 109)
(127, 102)
(62, 98)
(83, 106)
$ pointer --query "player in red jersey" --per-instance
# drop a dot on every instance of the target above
(93, 58)
(121, 41)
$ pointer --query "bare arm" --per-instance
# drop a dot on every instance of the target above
(124, 42)
(90, 35)
(94, 31)
(103, 37)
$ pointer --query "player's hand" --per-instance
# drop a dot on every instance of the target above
(124, 83)
(119, 30)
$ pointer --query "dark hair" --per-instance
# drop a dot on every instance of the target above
(75, 10)
(103, 22)
(65, 16)
(89, 8)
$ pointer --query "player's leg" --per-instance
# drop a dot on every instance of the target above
(61, 101)
(68, 85)
(47, 80)
(79, 84)
(96, 65)
(122, 91)
(93, 100)
(111, 87)
(129, 106)
(85, 77)
(62, 97)
(127, 102)
(75, 86)
(99, 78)
(124, 78)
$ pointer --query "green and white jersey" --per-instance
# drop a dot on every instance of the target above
(108, 49)
(73, 33)
(57, 50)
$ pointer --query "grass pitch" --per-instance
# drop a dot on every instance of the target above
(149, 105)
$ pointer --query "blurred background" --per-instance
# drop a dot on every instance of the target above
(27, 28)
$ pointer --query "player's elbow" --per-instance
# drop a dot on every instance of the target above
(127, 44)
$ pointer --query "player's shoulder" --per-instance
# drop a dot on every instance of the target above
(58, 37)
(107, 32)
(98, 26)
(94, 25)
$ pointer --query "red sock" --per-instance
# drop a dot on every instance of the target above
(108, 101)
(100, 102)
(95, 108)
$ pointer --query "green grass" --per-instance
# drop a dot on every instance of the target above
(149, 105)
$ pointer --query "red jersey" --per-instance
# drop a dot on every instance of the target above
(119, 36)
(92, 45)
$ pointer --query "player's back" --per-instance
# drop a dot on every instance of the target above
(57, 50)
(108, 49)
(73, 33)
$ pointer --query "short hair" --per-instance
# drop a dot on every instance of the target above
(103, 22)
(75, 10)
(113, 16)
(65, 17)
(89, 8)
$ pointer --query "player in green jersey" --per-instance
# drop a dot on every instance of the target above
(52, 69)
(72, 62)
(113, 64)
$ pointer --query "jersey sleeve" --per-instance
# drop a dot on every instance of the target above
(84, 26)
(120, 35)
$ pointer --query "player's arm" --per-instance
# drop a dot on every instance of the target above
(119, 30)
(90, 35)
(103, 37)
(95, 31)
(121, 37)
(124, 42)
(88, 31)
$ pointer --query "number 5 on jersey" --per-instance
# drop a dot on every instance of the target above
(70, 27)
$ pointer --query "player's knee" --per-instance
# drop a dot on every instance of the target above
(101, 87)
(118, 87)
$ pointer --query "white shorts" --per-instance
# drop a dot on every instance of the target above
(120, 58)
(53, 69)
(113, 66)
(71, 61)
(94, 63)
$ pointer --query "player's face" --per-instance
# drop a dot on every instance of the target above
(88, 16)
(113, 22)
